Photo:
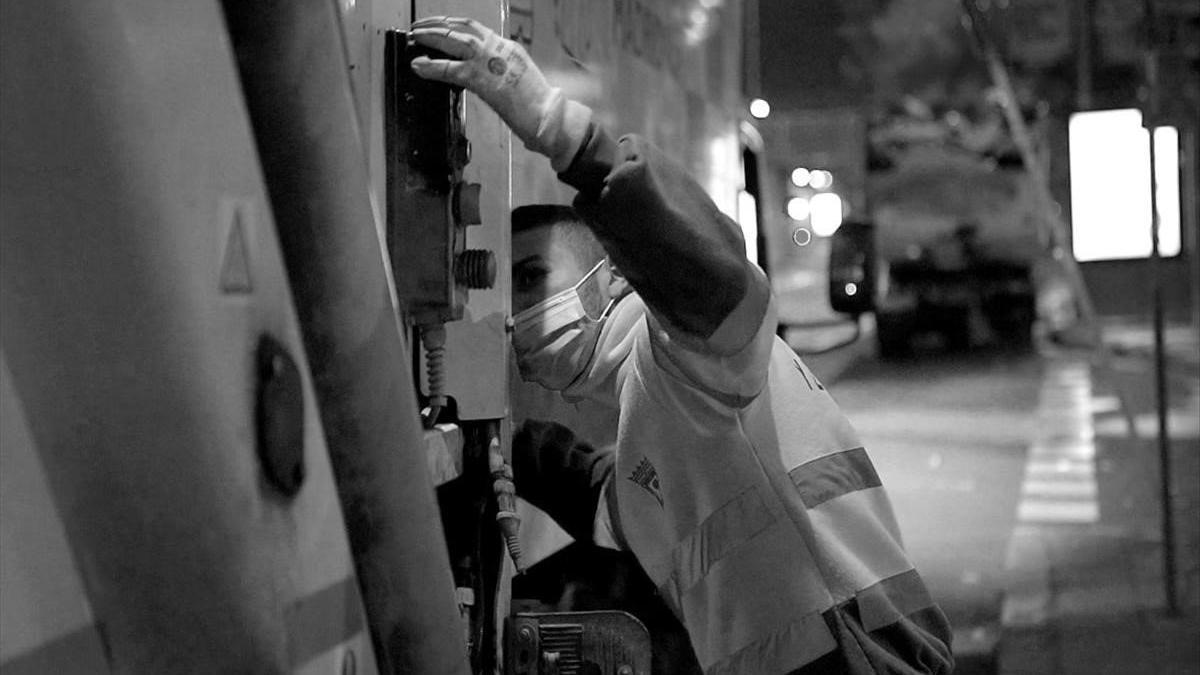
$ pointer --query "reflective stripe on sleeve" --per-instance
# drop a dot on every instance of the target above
(834, 475)
(892, 599)
(854, 533)
(733, 524)
(752, 593)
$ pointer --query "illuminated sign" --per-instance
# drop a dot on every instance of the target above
(1110, 186)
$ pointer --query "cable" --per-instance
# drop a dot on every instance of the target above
(433, 339)
(506, 503)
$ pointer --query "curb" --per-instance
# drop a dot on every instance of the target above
(830, 366)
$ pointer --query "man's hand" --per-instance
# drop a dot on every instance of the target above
(499, 71)
(560, 474)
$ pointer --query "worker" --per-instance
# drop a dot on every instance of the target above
(742, 491)
(562, 452)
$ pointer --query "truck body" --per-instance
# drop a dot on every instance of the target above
(950, 220)
(956, 238)
(214, 458)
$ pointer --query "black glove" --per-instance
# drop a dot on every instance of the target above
(560, 474)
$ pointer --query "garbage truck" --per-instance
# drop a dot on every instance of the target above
(254, 369)
(948, 243)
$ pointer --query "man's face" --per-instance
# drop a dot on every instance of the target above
(543, 264)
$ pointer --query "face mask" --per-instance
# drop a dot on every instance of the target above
(555, 339)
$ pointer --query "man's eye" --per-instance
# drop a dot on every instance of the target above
(526, 278)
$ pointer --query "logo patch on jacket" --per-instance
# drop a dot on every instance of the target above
(646, 477)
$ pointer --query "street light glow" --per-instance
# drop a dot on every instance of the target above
(759, 109)
(798, 208)
(821, 179)
(826, 213)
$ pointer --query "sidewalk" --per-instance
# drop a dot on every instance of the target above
(1085, 591)
(1136, 338)
(830, 365)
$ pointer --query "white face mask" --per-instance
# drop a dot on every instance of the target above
(555, 339)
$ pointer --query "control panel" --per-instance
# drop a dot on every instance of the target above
(429, 205)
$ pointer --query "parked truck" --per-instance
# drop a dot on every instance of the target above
(226, 230)
(951, 234)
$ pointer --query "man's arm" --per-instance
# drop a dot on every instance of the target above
(685, 258)
(560, 475)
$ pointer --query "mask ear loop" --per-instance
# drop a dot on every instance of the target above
(612, 302)
(590, 273)
(584, 279)
(608, 309)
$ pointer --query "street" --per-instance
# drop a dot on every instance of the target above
(1028, 508)
(949, 435)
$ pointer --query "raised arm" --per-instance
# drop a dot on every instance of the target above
(683, 256)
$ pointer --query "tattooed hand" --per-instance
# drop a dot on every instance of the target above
(497, 70)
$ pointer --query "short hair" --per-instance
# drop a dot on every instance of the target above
(567, 222)
(533, 216)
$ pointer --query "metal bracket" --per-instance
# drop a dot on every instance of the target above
(577, 643)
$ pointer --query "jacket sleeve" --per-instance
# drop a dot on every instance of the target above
(686, 259)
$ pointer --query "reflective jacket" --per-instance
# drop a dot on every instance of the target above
(742, 490)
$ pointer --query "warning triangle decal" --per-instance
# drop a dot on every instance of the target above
(235, 263)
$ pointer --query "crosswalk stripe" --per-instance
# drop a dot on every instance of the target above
(1048, 488)
(1058, 511)
(1060, 471)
